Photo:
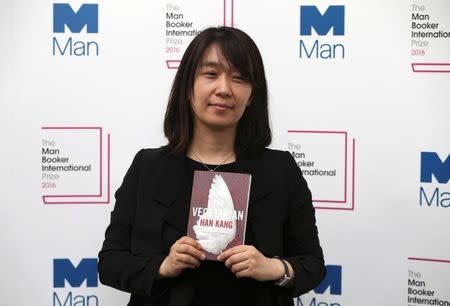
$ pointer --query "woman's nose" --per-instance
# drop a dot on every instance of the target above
(223, 86)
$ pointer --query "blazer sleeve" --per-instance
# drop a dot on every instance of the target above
(302, 247)
(117, 266)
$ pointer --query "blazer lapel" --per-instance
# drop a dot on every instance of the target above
(170, 179)
(258, 232)
(171, 191)
(259, 186)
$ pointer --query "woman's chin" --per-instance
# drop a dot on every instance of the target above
(219, 125)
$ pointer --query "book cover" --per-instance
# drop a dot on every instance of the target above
(218, 211)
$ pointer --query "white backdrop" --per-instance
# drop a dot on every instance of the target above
(356, 123)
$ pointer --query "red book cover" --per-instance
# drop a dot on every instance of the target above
(218, 212)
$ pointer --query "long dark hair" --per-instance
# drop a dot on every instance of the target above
(253, 131)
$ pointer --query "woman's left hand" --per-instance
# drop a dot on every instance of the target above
(247, 261)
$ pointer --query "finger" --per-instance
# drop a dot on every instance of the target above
(184, 259)
(190, 241)
(191, 267)
(241, 266)
(243, 273)
(230, 252)
(187, 266)
(190, 250)
(236, 258)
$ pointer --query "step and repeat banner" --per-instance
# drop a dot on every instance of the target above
(359, 95)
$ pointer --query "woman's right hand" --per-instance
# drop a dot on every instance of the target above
(184, 253)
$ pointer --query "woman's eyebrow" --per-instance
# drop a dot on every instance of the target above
(217, 65)
(209, 64)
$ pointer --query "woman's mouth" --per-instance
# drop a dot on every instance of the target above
(221, 105)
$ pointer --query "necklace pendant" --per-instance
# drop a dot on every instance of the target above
(209, 169)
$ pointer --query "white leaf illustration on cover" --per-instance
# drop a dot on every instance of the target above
(212, 238)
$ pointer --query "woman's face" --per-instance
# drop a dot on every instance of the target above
(220, 94)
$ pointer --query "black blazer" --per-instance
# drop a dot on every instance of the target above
(145, 223)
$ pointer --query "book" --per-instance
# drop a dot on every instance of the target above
(218, 211)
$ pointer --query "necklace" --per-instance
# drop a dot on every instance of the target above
(209, 169)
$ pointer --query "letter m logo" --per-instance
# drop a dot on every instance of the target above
(75, 276)
(332, 280)
(310, 17)
(431, 164)
(87, 15)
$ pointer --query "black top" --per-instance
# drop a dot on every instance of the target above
(215, 284)
(150, 214)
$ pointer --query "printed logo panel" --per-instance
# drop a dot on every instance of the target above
(331, 177)
(430, 37)
(75, 29)
(64, 272)
(322, 32)
(434, 179)
(75, 165)
(64, 16)
(427, 282)
(431, 165)
(328, 292)
(332, 18)
(71, 282)
(184, 21)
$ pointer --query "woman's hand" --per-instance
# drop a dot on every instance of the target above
(247, 261)
(184, 253)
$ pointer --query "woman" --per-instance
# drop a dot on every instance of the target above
(216, 119)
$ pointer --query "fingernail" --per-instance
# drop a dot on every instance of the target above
(203, 256)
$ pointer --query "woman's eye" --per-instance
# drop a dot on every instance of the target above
(210, 74)
(239, 78)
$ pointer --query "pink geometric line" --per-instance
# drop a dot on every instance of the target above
(345, 178)
(353, 174)
(232, 13)
(317, 132)
(108, 199)
(224, 12)
(353, 186)
(345, 162)
(345, 171)
(429, 259)
(71, 128)
(44, 197)
(430, 67)
(174, 64)
(101, 162)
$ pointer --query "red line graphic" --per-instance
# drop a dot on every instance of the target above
(45, 198)
(224, 12)
(352, 208)
(431, 67)
(429, 259)
(345, 162)
(353, 164)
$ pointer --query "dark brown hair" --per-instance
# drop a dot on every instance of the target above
(253, 132)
